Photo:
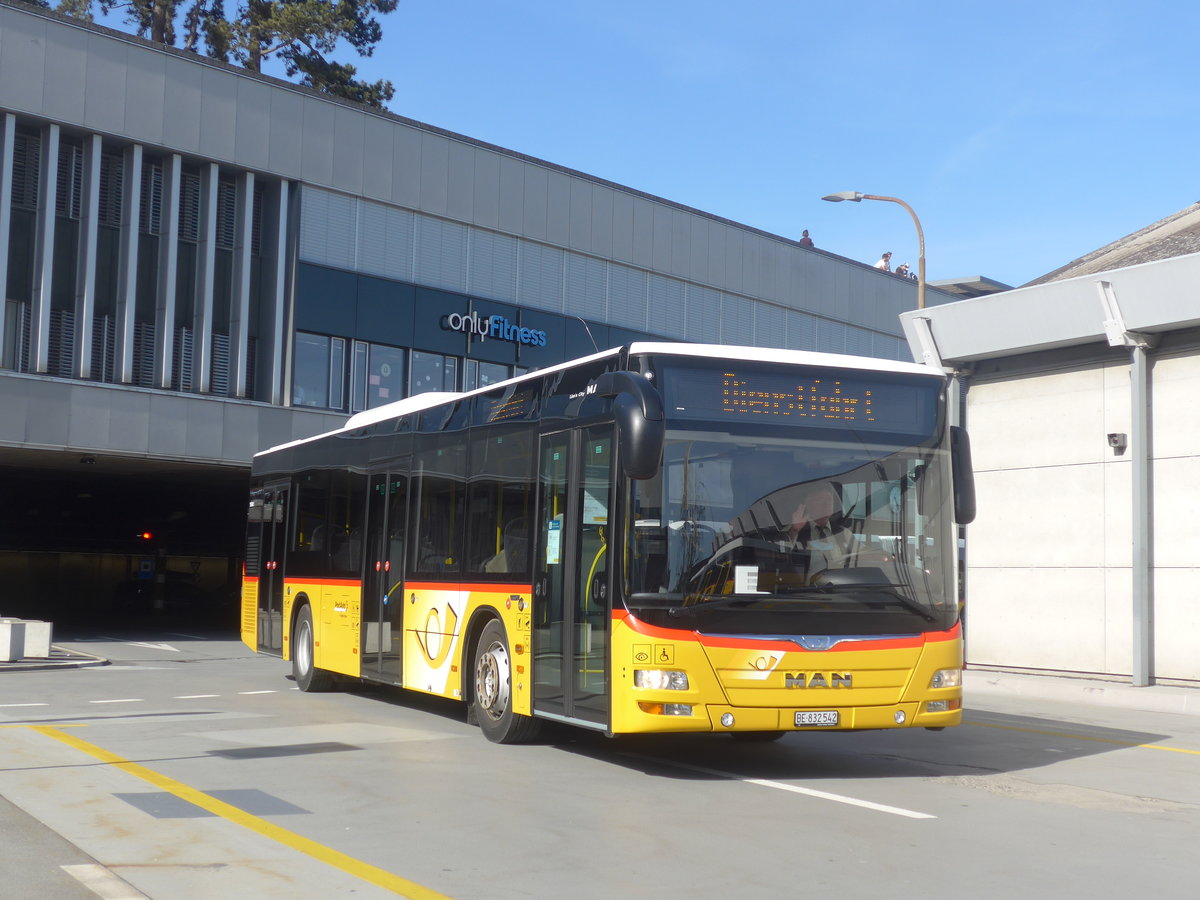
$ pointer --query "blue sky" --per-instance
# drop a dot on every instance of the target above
(1024, 134)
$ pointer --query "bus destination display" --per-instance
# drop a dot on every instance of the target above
(820, 398)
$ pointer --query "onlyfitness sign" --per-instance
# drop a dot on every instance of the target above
(495, 327)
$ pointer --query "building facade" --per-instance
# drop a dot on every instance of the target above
(1080, 402)
(200, 262)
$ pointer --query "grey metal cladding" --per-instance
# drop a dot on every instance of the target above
(492, 265)
(67, 86)
(581, 215)
(371, 245)
(349, 136)
(665, 310)
(460, 181)
(184, 86)
(286, 133)
(643, 232)
(558, 208)
(168, 429)
(801, 330)
(316, 161)
(218, 114)
(435, 164)
(586, 286)
(541, 283)
(770, 326)
(485, 200)
(377, 157)
(522, 197)
(145, 96)
(105, 85)
(441, 254)
(737, 320)
(703, 323)
(681, 243)
(622, 226)
(661, 239)
(252, 129)
(831, 336)
(602, 220)
(406, 167)
(626, 297)
(22, 60)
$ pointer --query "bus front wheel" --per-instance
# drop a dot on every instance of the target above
(308, 676)
(493, 690)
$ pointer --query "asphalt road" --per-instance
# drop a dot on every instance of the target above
(190, 768)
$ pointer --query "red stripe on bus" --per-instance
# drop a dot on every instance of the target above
(655, 631)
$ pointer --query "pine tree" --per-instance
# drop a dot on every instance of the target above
(302, 34)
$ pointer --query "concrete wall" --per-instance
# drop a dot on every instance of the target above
(1050, 554)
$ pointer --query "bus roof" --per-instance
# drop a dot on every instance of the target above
(419, 402)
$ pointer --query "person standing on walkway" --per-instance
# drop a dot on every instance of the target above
(885, 261)
(805, 240)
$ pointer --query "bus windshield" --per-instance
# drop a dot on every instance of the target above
(754, 530)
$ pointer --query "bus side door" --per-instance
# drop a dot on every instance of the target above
(571, 575)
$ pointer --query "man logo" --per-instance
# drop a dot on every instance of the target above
(818, 680)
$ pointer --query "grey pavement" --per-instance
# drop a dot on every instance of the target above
(977, 682)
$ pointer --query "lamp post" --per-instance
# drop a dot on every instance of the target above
(855, 197)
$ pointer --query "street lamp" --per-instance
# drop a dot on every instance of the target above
(855, 197)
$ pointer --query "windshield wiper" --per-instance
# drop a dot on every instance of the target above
(889, 591)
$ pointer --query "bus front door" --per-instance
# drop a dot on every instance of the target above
(383, 609)
(274, 523)
(571, 576)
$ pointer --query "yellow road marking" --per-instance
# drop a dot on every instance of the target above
(304, 845)
(1083, 737)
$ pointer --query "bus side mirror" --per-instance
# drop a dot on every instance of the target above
(964, 476)
(641, 428)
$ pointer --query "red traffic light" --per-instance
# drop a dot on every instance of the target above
(145, 535)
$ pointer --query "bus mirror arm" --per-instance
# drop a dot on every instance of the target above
(641, 427)
(963, 474)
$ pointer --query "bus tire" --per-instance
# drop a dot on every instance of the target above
(492, 699)
(308, 676)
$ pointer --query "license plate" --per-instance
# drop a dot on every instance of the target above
(819, 717)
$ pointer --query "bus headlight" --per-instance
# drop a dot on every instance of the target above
(946, 678)
(660, 679)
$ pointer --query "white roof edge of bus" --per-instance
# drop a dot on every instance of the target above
(420, 402)
(771, 354)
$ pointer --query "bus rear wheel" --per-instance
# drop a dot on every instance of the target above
(493, 690)
(308, 676)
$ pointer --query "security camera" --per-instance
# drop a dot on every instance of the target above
(1118, 442)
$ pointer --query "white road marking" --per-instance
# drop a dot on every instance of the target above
(196, 697)
(103, 883)
(258, 692)
(152, 646)
(126, 700)
(795, 789)
(13, 705)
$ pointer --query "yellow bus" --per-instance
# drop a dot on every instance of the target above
(656, 538)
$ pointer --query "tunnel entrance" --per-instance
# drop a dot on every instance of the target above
(97, 541)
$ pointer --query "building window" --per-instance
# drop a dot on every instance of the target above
(433, 372)
(320, 371)
(478, 374)
(377, 375)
